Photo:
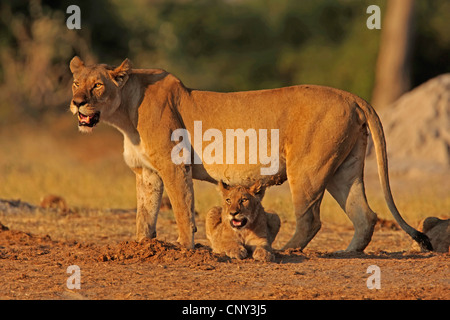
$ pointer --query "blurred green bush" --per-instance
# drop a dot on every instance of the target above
(222, 45)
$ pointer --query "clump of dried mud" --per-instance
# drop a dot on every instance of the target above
(157, 251)
(19, 245)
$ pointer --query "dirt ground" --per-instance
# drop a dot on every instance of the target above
(37, 247)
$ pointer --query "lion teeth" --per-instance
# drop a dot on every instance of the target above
(237, 222)
(84, 119)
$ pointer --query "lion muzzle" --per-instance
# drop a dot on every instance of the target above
(88, 120)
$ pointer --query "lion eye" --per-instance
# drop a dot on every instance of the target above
(98, 85)
(228, 201)
(76, 84)
(244, 199)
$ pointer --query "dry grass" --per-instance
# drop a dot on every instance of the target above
(53, 158)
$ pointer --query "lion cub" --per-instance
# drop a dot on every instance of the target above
(242, 225)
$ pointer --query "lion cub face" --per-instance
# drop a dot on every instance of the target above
(241, 204)
(96, 91)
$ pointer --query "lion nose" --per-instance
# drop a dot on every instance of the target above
(233, 213)
(79, 101)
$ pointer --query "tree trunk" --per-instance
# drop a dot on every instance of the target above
(392, 76)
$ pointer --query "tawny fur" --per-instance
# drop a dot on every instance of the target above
(438, 230)
(322, 142)
(258, 233)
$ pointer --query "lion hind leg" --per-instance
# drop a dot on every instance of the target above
(307, 225)
(306, 203)
(307, 190)
(360, 214)
(347, 188)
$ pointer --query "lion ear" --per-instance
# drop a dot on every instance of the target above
(75, 64)
(223, 186)
(258, 189)
(120, 74)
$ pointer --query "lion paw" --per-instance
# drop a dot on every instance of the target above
(237, 253)
(262, 254)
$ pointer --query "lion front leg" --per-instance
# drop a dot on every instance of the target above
(263, 253)
(222, 239)
(237, 252)
(149, 190)
(180, 189)
(224, 243)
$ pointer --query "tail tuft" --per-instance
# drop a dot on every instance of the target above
(423, 241)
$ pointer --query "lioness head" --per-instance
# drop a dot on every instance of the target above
(241, 204)
(96, 91)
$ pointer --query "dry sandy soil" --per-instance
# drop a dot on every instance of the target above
(37, 246)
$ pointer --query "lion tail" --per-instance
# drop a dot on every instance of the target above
(379, 141)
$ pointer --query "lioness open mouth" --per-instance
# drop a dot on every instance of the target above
(88, 121)
(235, 223)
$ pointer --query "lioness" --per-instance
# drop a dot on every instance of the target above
(322, 142)
(242, 225)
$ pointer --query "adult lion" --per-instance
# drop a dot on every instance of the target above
(322, 136)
